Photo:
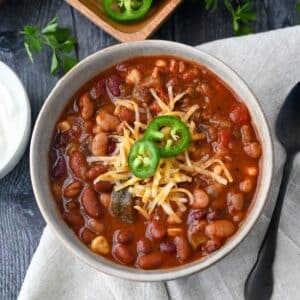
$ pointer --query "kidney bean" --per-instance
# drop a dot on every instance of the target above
(246, 185)
(107, 122)
(235, 202)
(253, 150)
(150, 261)
(123, 236)
(59, 169)
(182, 247)
(78, 164)
(87, 236)
(144, 246)
(167, 247)
(98, 89)
(201, 199)
(212, 245)
(220, 229)
(123, 254)
(215, 214)
(73, 189)
(91, 204)
(105, 199)
(95, 171)
(99, 144)
(74, 218)
(87, 106)
(111, 147)
(156, 230)
(197, 214)
(103, 187)
(96, 226)
(113, 84)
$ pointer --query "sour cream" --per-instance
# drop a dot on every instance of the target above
(14, 119)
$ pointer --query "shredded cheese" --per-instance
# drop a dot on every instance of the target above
(161, 190)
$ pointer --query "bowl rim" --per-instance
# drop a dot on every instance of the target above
(105, 265)
(21, 144)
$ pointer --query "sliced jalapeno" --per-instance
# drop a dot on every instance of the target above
(126, 10)
(170, 135)
(143, 159)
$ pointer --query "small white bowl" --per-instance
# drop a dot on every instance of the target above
(12, 83)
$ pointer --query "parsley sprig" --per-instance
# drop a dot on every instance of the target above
(241, 11)
(58, 39)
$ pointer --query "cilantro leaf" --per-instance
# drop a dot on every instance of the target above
(58, 39)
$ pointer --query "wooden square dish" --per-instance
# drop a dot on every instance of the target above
(141, 30)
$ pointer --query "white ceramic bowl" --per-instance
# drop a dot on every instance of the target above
(56, 102)
(22, 117)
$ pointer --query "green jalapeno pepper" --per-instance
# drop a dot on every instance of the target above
(126, 10)
(170, 135)
(143, 159)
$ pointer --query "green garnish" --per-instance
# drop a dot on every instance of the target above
(58, 39)
(241, 11)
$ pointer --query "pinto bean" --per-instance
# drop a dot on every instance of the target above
(156, 230)
(212, 245)
(182, 247)
(134, 76)
(253, 150)
(107, 121)
(235, 201)
(150, 261)
(86, 106)
(91, 204)
(78, 164)
(105, 199)
(123, 236)
(95, 171)
(96, 226)
(214, 190)
(220, 229)
(87, 236)
(123, 254)
(144, 246)
(103, 187)
(201, 199)
(246, 134)
(246, 185)
(99, 144)
(73, 189)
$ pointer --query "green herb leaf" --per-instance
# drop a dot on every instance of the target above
(54, 64)
(69, 63)
(58, 39)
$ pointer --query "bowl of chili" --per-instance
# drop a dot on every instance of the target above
(178, 184)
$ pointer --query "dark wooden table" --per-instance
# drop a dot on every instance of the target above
(21, 223)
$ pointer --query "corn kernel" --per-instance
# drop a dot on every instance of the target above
(64, 126)
(100, 245)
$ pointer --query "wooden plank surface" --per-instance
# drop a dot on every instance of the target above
(21, 224)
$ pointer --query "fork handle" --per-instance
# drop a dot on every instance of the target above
(259, 284)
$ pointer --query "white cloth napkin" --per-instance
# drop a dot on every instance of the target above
(270, 64)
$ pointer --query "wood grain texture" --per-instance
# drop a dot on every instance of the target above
(126, 32)
(21, 224)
